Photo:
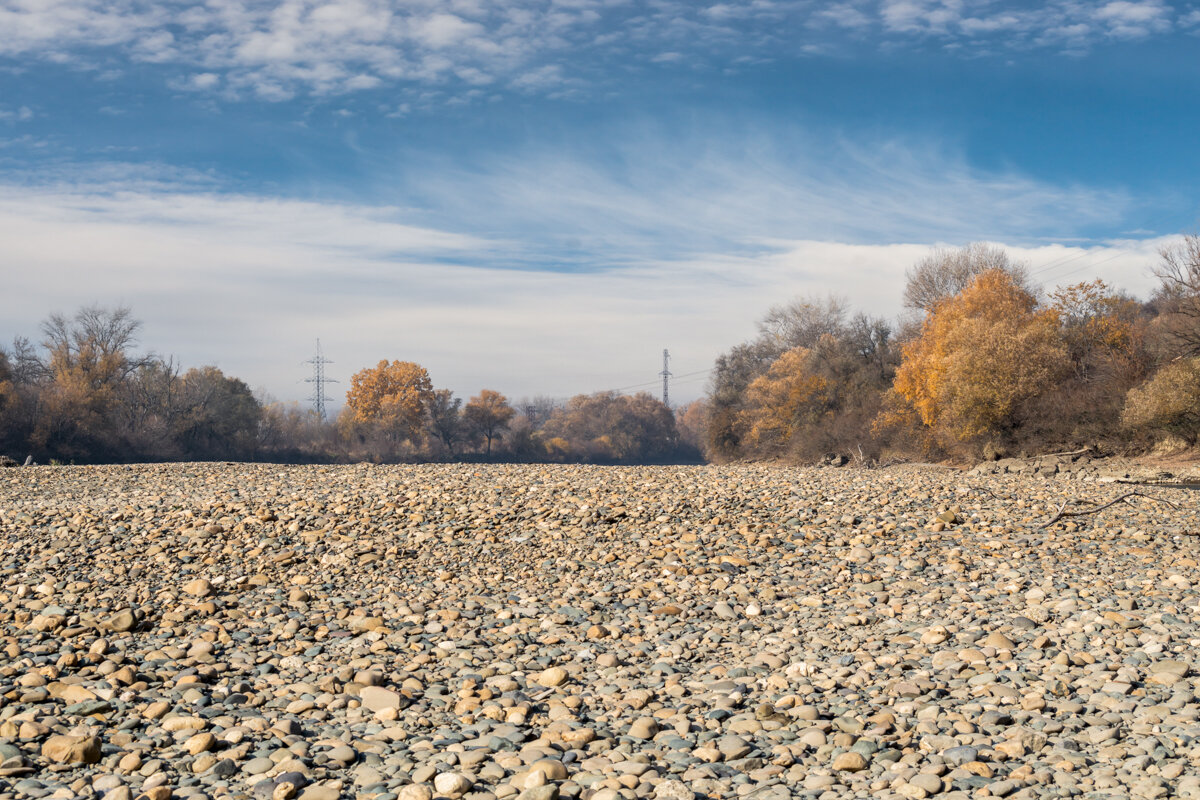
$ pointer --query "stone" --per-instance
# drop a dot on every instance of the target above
(68, 749)
(198, 588)
(850, 761)
(553, 676)
(644, 728)
(120, 622)
(451, 783)
(414, 791)
(377, 698)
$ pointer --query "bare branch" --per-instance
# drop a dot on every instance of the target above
(1063, 513)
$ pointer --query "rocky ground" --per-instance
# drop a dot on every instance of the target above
(537, 632)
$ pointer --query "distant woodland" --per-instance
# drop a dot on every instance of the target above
(981, 363)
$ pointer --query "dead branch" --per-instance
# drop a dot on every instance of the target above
(1070, 453)
(1063, 513)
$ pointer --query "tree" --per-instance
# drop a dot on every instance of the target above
(871, 337)
(947, 272)
(1103, 330)
(732, 375)
(87, 364)
(1178, 272)
(489, 415)
(778, 403)
(980, 354)
(803, 321)
(395, 397)
(10, 433)
(445, 418)
(218, 416)
(1169, 402)
(607, 426)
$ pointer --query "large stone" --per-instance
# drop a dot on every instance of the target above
(377, 698)
(67, 749)
(850, 761)
(199, 587)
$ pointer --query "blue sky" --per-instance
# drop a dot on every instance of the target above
(539, 196)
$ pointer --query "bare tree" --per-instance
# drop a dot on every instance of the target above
(803, 321)
(870, 337)
(945, 272)
(1179, 294)
(445, 418)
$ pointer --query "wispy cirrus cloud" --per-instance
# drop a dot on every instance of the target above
(274, 50)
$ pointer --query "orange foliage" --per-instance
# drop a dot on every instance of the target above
(489, 414)
(395, 395)
(788, 396)
(980, 353)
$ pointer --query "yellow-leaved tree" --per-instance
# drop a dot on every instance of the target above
(780, 402)
(394, 397)
(979, 355)
(488, 414)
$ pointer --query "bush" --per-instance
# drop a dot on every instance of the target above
(1168, 402)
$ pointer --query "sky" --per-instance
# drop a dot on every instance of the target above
(539, 196)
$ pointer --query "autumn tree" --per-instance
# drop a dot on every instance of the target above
(1103, 330)
(946, 272)
(788, 396)
(393, 397)
(488, 414)
(446, 420)
(608, 426)
(732, 375)
(88, 359)
(691, 422)
(980, 354)
(1169, 402)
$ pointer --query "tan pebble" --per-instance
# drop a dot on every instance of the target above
(198, 588)
(414, 791)
(199, 743)
(553, 676)
(72, 749)
(850, 761)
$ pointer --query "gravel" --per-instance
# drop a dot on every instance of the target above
(539, 632)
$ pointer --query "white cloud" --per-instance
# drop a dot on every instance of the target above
(907, 16)
(279, 49)
(844, 15)
(1134, 20)
(22, 114)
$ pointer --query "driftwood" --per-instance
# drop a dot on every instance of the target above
(1070, 453)
(1063, 513)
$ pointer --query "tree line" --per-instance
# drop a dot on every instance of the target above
(85, 394)
(983, 363)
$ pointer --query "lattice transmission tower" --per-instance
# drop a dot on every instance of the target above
(666, 374)
(318, 380)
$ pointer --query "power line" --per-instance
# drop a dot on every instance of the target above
(1092, 265)
(318, 380)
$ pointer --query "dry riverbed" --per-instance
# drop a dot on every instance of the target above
(535, 632)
